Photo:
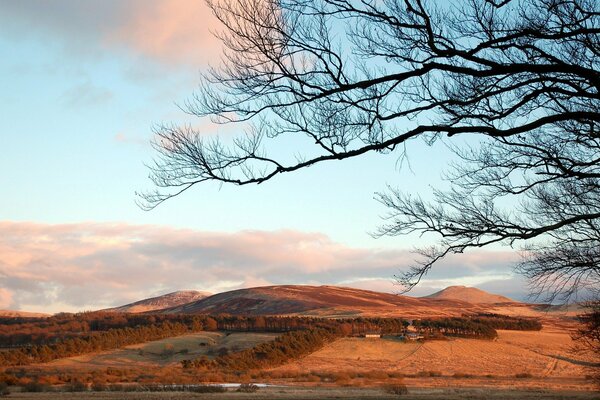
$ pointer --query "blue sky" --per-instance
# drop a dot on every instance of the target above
(82, 84)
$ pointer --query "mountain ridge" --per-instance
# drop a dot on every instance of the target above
(323, 300)
(157, 303)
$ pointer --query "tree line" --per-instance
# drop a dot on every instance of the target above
(101, 341)
(462, 327)
(287, 347)
(504, 322)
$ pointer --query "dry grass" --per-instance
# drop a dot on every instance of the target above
(301, 393)
(461, 362)
(167, 351)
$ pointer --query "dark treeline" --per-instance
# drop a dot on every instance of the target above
(30, 331)
(462, 327)
(100, 341)
(349, 326)
(23, 332)
(287, 347)
(505, 322)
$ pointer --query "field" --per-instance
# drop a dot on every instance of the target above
(167, 351)
(543, 360)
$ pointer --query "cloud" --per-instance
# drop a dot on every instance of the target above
(94, 265)
(168, 31)
(5, 298)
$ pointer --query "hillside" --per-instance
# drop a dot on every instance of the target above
(168, 300)
(21, 314)
(469, 294)
(319, 301)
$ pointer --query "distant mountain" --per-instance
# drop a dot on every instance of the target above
(21, 314)
(469, 294)
(318, 301)
(161, 302)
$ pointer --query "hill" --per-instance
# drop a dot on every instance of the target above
(469, 294)
(168, 300)
(319, 301)
(21, 314)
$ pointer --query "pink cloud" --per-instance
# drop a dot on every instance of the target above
(173, 31)
(168, 31)
(5, 298)
(95, 265)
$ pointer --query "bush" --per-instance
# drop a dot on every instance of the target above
(341, 377)
(9, 379)
(168, 350)
(397, 389)
(99, 386)
(204, 389)
(76, 386)
(377, 374)
(523, 375)
(4, 389)
(423, 374)
(36, 387)
(462, 375)
(247, 388)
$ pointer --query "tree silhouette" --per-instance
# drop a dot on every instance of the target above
(518, 79)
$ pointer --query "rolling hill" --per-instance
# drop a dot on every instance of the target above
(168, 300)
(319, 301)
(469, 294)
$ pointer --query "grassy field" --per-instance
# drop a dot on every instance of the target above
(301, 393)
(543, 360)
(167, 351)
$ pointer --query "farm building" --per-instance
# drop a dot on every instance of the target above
(372, 335)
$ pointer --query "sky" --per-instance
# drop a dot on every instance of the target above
(82, 83)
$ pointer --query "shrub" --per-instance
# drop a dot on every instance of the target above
(9, 379)
(423, 374)
(523, 375)
(341, 377)
(76, 386)
(36, 387)
(397, 389)
(247, 388)
(462, 375)
(168, 350)
(223, 351)
(375, 374)
(115, 387)
(313, 378)
(98, 386)
(396, 374)
(206, 389)
(4, 391)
